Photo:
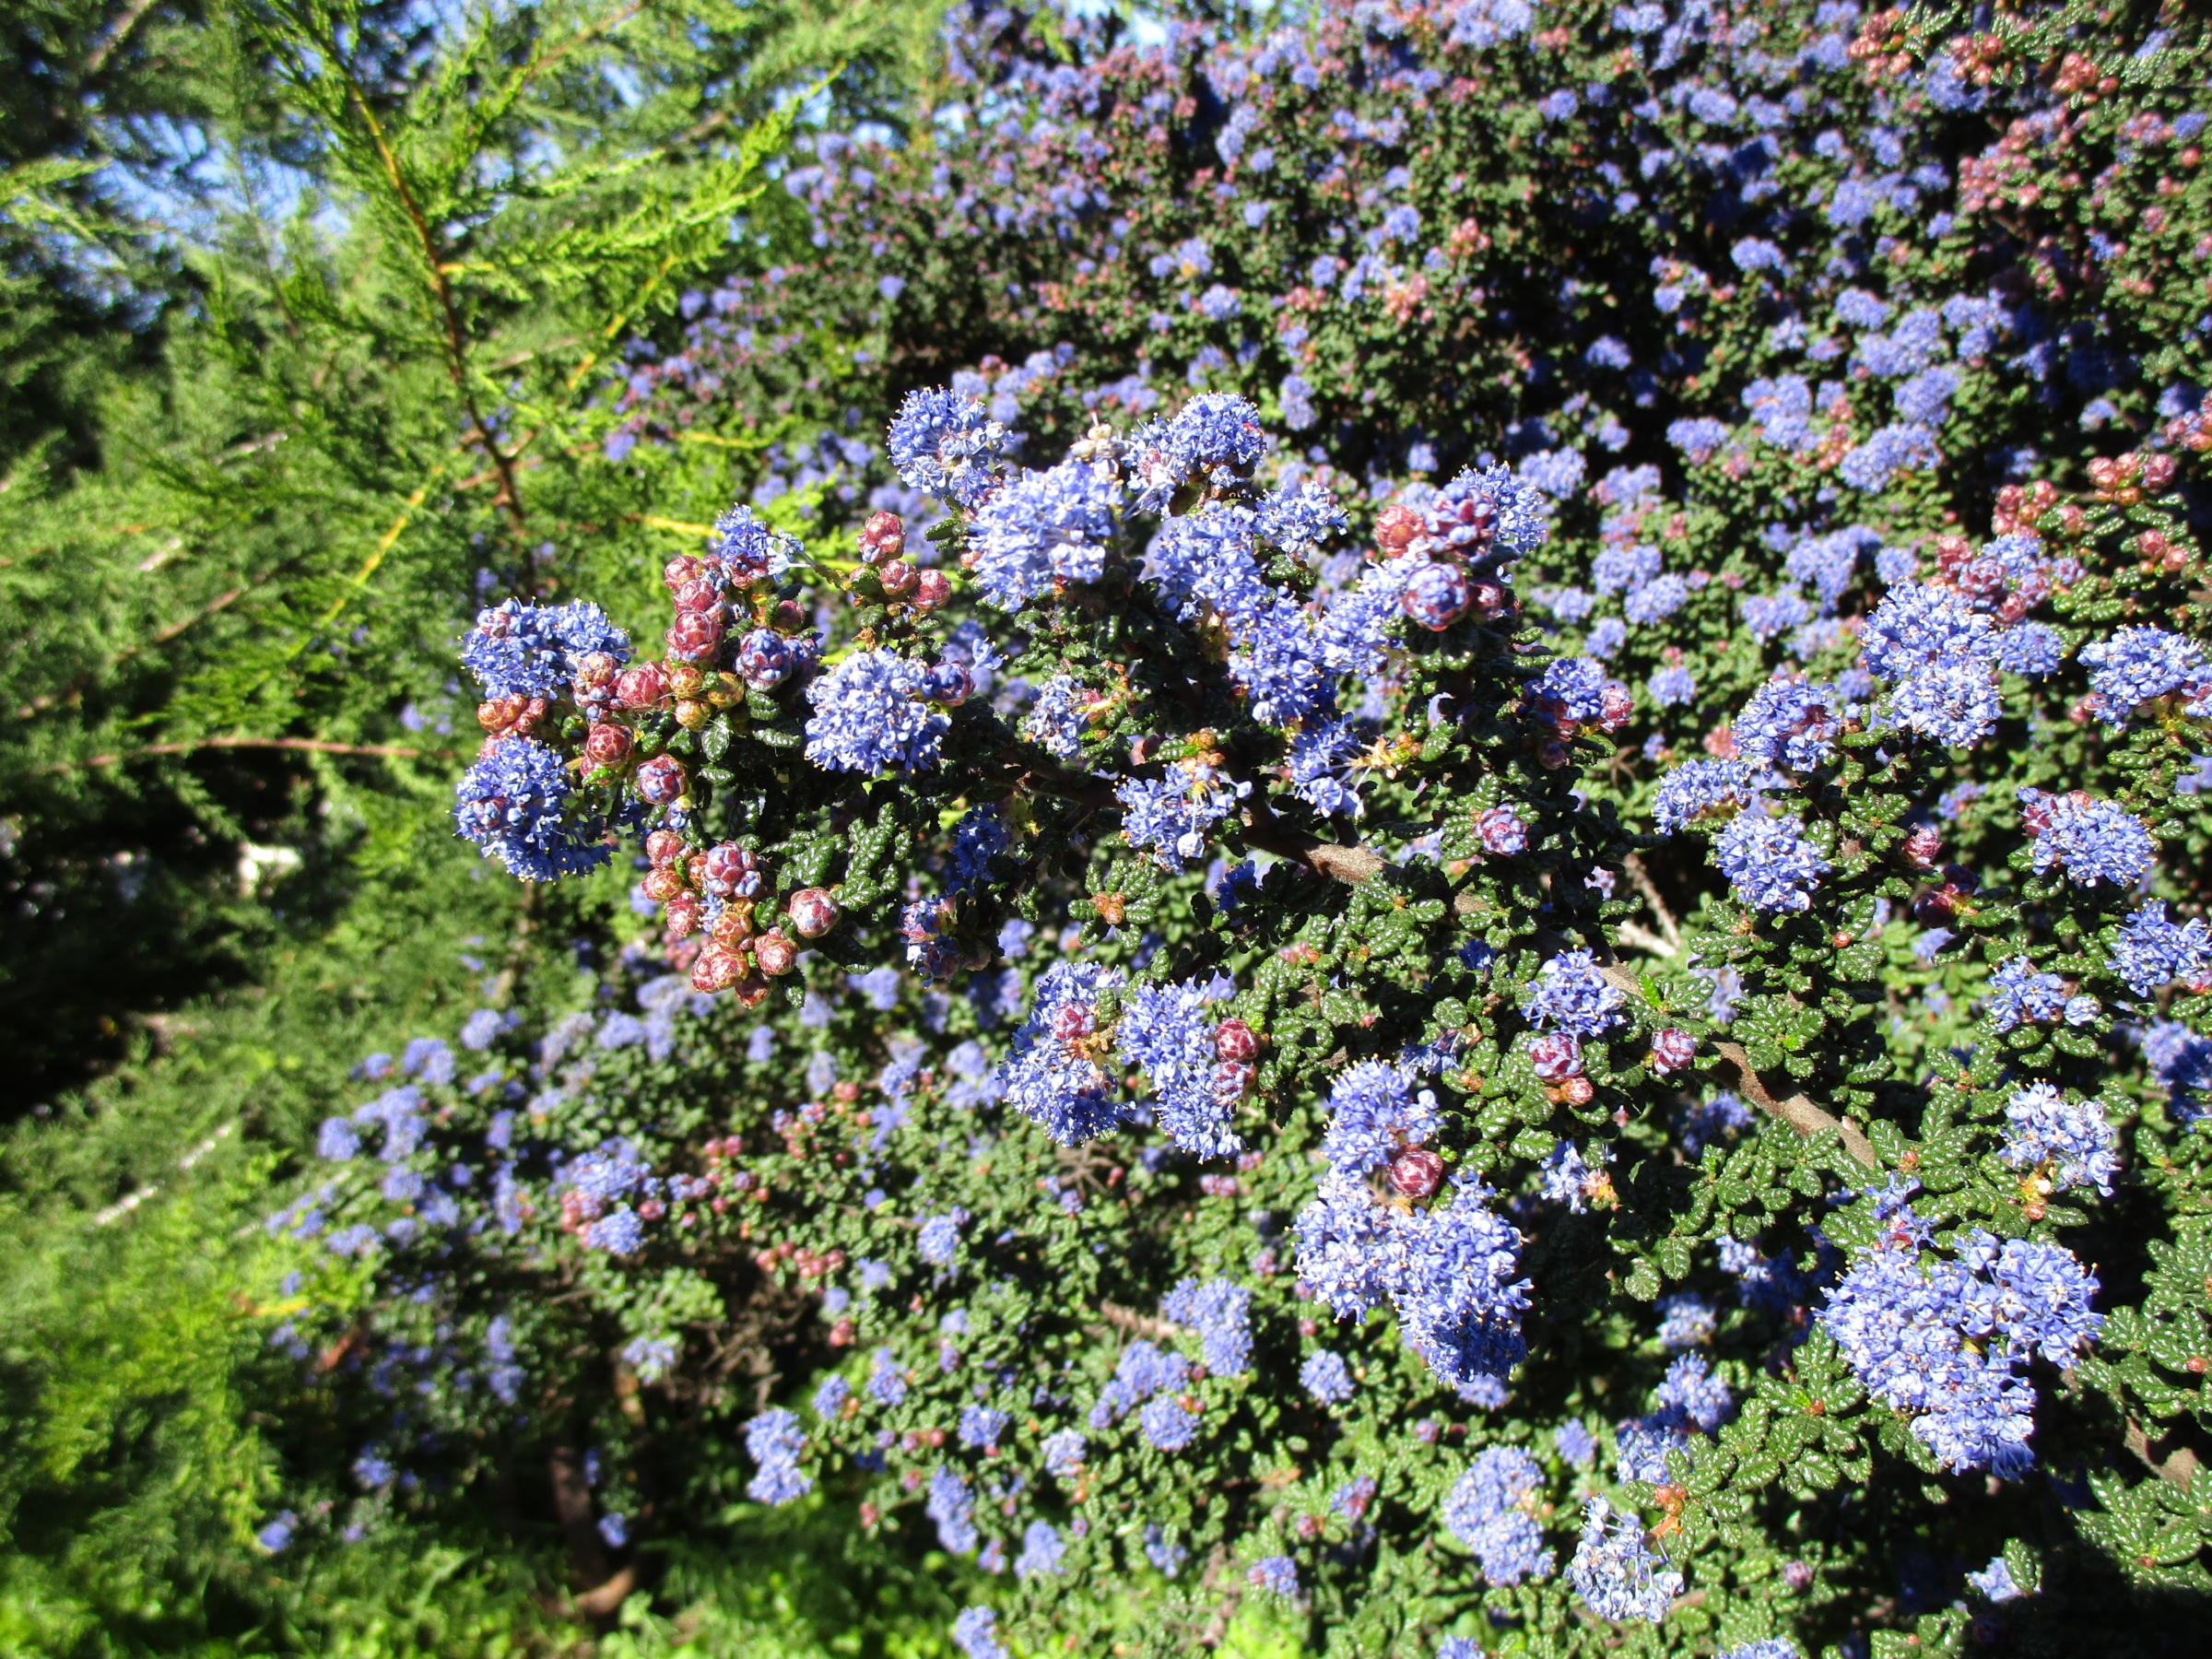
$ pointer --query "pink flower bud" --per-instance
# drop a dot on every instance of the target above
(813, 912)
(695, 636)
(660, 780)
(1416, 1172)
(717, 968)
(702, 595)
(1555, 1055)
(608, 745)
(643, 687)
(882, 538)
(1671, 1049)
(682, 916)
(1233, 1040)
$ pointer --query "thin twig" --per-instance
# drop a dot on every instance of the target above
(111, 38)
(1644, 885)
(1643, 938)
(1130, 1322)
(448, 312)
(1356, 864)
(1797, 1110)
(313, 745)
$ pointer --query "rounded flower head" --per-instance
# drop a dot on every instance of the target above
(1571, 995)
(2071, 1141)
(1045, 527)
(871, 715)
(1615, 1571)
(1054, 1075)
(515, 803)
(2139, 664)
(1769, 861)
(519, 649)
(946, 445)
(1489, 1511)
(2092, 841)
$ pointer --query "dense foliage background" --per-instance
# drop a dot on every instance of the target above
(1524, 586)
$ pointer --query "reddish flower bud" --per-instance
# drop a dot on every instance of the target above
(882, 538)
(643, 687)
(1502, 832)
(692, 714)
(702, 595)
(1576, 1092)
(750, 992)
(660, 780)
(1556, 1054)
(932, 588)
(681, 570)
(1233, 1040)
(776, 953)
(695, 636)
(717, 968)
(898, 577)
(663, 882)
(682, 915)
(733, 926)
(1397, 527)
(596, 674)
(813, 912)
(1922, 844)
(1671, 1049)
(1231, 1079)
(1416, 1172)
(1615, 706)
(608, 745)
(663, 846)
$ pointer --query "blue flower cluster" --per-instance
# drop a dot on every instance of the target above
(1490, 1509)
(872, 714)
(1451, 1270)
(775, 1440)
(519, 649)
(519, 803)
(2091, 841)
(1615, 1571)
(946, 445)
(1770, 862)
(1165, 1029)
(1949, 1340)
(2064, 1143)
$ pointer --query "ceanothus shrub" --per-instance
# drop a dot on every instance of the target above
(1606, 1049)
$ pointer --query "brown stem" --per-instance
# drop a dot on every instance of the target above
(449, 313)
(1353, 865)
(2179, 1467)
(572, 1508)
(1130, 1322)
(314, 744)
(1796, 1109)
(1644, 885)
(1356, 864)
(111, 38)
